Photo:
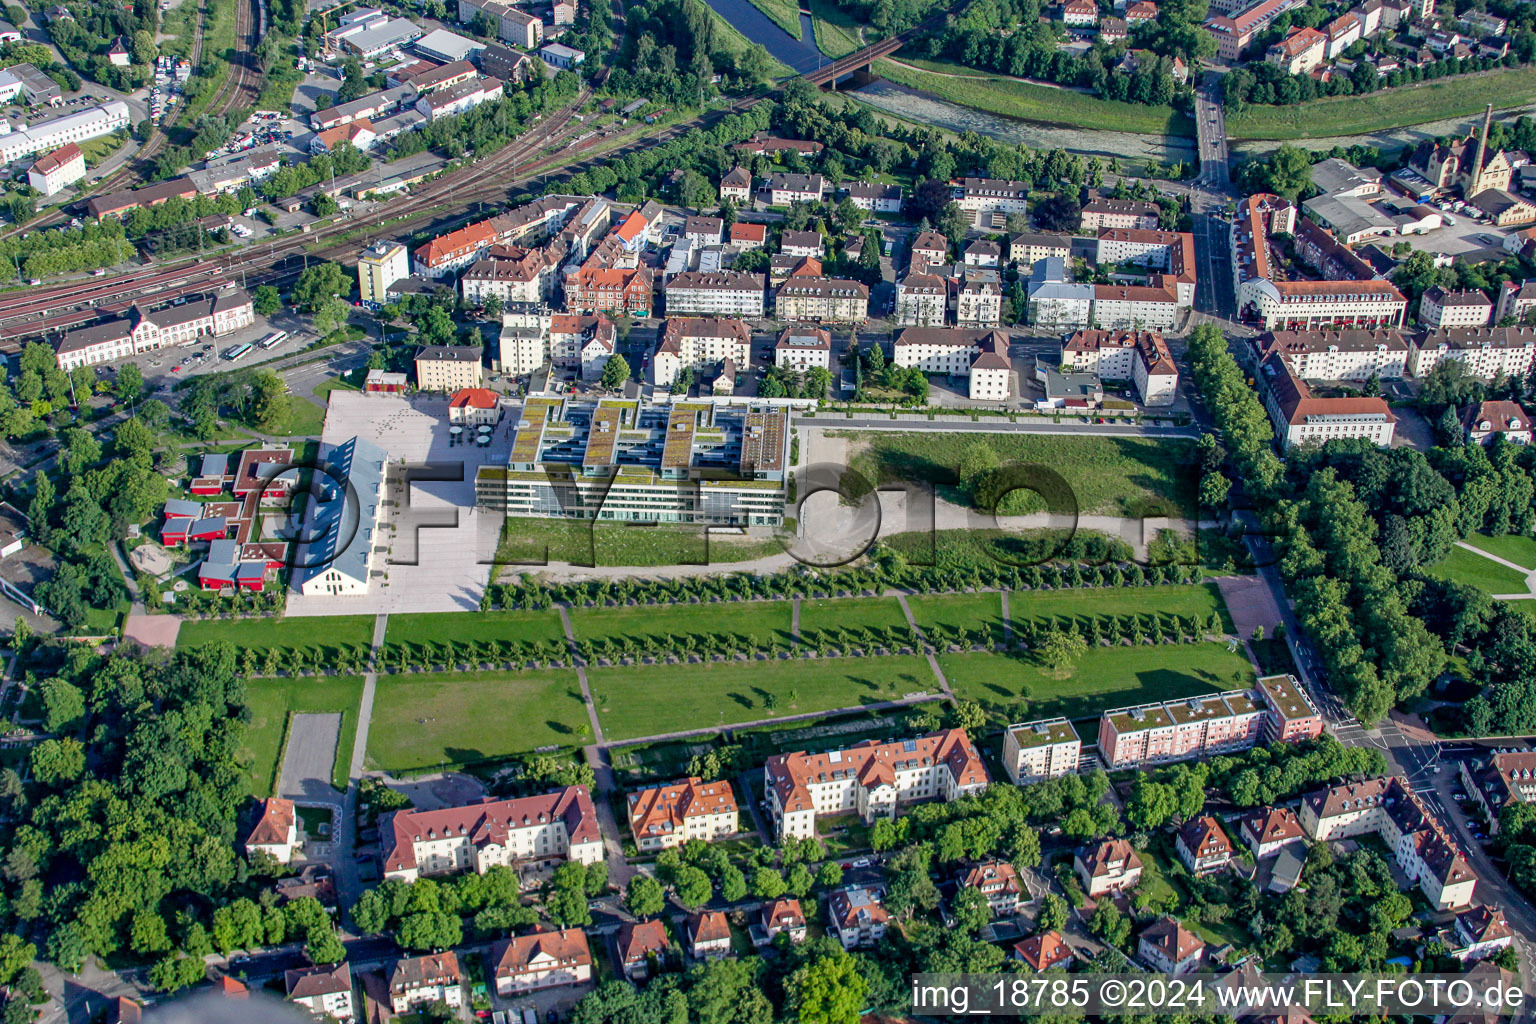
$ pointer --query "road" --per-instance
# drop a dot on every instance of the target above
(1211, 130)
(999, 425)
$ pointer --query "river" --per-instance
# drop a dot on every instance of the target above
(800, 54)
(925, 108)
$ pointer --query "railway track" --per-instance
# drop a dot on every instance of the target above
(240, 89)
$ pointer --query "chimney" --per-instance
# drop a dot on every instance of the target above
(1477, 158)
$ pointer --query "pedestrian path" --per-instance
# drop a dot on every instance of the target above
(1530, 576)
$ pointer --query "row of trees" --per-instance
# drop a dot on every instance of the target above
(888, 570)
(1261, 83)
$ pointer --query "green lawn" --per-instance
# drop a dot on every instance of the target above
(421, 721)
(762, 619)
(1390, 108)
(1019, 689)
(845, 613)
(837, 35)
(1463, 566)
(328, 631)
(1107, 475)
(1510, 547)
(305, 418)
(534, 541)
(465, 627)
(1012, 98)
(649, 700)
(1197, 599)
(783, 13)
(271, 701)
(960, 611)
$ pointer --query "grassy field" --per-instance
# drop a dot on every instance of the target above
(842, 613)
(837, 35)
(1389, 108)
(1020, 689)
(464, 627)
(960, 611)
(654, 699)
(1013, 98)
(98, 149)
(1108, 475)
(1463, 566)
(783, 13)
(1198, 599)
(328, 631)
(459, 718)
(763, 619)
(271, 702)
(534, 541)
(305, 418)
(1511, 548)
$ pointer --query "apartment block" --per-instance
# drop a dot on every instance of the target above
(1172, 252)
(983, 197)
(870, 779)
(1444, 309)
(1100, 213)
(1028, 248)
(802, 346)
(423, 980)
(1291, 716)
(1504, 778)
(1040, 750)
(1300, 417)
(381, 265)
(1356, 355)
(699, 341)
(921, 300)
(1389, 808)
(981, 355)
(720, 293)
(1200, 726)
(822, 300)
(856, 917)
(449, 368)
(1486, 352)
(662, 817)
(477, 837)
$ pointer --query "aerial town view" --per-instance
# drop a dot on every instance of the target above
(755, 511)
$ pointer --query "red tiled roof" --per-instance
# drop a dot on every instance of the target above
(474, 398)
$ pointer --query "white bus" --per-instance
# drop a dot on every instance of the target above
(274, 339)
(237, 352)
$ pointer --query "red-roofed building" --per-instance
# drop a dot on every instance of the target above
(360, 133)
(1167, 946)
(747, 236)
(784, 915)
(612, 292)
(709, 935)
(870, 779)
(637, 943)
(998, 882)
(541, 960)
(473, 406)
(1203, 845)
(1044, 951)
(1300, 51)
(665, 816)
(476, 837)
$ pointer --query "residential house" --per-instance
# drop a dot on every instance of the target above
(1044, 951)
(1027, 248)
(1167, 946)
(801, 243)
(929, 249)
(662, 817)
(423, 980)
(1203, 846)
(276, 832)
(709, 935)
(1485, 421)
(1267, 830)
(998, 882)
(784, 189)
(1108, 866)
(449, 368)
(1481, 932)
(855, 917)
(874, 197)
(325, 990)
(703, 230)
(473, 407)
(638, 942)
(1507, 777)
(921, 300)
(722, 293)
(736, 185)
(543, 959)
(784, 915)
(802, 346)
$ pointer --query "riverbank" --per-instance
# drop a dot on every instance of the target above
(1403, 107)
(783, 13)
(837, 35)
(1013, 98)
(733, 40)
(910, 106)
